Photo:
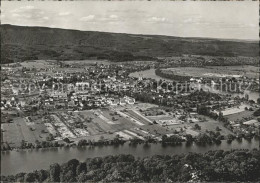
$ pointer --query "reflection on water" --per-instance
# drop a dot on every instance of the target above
(28, 160)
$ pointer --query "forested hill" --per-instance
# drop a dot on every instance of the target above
(213, 166)
(20, 43)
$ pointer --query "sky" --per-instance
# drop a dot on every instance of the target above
(228, 20)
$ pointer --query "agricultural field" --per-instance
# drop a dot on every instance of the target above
(234, 110)
(211, 125)
(247, 70)
(19, 130)
(39, 64)
(105, 121)
(216, 71)
(240, 116)
(86, 62)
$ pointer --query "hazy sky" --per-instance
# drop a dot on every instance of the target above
(231, 20)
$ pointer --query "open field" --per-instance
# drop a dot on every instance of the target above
(102, 121)
(160, 117)
(247, 70)
(53, 64)
(157, 129)
(216, 71)
(240, 116)
(211, 125)
(234, 110)
(86, 62)
(17, 131)
(38, 64)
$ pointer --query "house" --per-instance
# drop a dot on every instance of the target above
(129, 100)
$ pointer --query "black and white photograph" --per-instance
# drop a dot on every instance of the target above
(130, 91)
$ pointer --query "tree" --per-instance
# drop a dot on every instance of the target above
(257, 112)
(230, 136)
(81, 168)
(82, 142)
(30, 177)
(67, 140)
(113, 118)
(82, 177)
(42, 175)
(197, 127)
(49, 137)
(250, 109)
(189, 138)
(212, 166)
(55, 172)
(203, 139)
(218, 129)
(101, 139)
(68, 176)
(19, 177)
(258, 100)
(23, 144)
(251, 101)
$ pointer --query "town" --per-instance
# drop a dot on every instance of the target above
(49, 103)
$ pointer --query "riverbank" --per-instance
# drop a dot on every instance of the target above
(208, 138)
(13, 162)
(192, 167)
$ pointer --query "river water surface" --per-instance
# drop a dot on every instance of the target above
(13, 162)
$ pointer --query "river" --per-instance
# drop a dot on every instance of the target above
(150, 73)
(13, 162)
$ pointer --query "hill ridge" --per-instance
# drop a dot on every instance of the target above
(19, 43)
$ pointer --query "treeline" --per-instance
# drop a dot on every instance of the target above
(71, 42)
(33, 54)
(37, 145)
(120, 56)
(217, 166)
(172, 76)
